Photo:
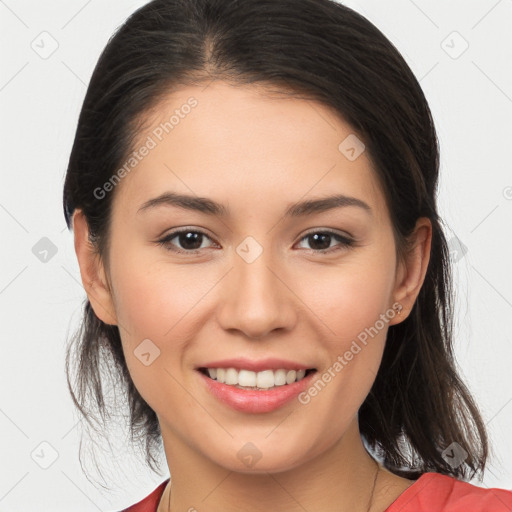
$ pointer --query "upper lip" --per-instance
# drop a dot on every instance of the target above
(241, 363)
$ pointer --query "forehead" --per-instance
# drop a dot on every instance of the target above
(242, 144)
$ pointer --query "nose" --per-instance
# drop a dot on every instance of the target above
(256, 298)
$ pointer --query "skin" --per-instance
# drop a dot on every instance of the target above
(264, 153)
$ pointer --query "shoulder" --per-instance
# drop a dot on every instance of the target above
(149, 503)
(434, 492)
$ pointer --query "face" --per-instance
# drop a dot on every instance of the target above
(258, 280)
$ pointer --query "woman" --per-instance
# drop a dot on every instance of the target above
(252, 193)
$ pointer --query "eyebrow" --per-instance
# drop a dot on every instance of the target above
(210, 207)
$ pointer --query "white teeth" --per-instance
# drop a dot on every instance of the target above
(280, 377)
(265, 379)
(291, 376)
(246, 378)
(231, 376)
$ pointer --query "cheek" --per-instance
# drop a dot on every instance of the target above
(353, 357)
(350, 298)
(154, 307)
(352, 303)
(154, 300)
(162, 303)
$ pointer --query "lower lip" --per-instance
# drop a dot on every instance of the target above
(251, 401)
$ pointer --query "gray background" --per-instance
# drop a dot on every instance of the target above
(470, 94)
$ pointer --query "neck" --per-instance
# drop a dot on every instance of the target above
(340, 478)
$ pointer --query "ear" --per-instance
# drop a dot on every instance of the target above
(92, 271)
(412, 269)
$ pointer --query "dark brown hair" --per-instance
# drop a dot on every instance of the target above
(315, 49)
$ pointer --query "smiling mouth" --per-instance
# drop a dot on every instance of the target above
(264, 380)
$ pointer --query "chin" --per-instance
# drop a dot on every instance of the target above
(250, 460)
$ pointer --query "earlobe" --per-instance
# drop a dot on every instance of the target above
(413, 268)
(92, 271)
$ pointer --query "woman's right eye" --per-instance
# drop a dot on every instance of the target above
(189, 239)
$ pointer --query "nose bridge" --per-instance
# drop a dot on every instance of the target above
(256, 301)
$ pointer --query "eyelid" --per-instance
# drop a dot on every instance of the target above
(346, 241)
(165, 239)
(330, 231)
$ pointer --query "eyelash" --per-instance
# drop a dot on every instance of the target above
(345, 242)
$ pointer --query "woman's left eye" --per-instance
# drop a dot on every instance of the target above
(324, 239)
(191, 241)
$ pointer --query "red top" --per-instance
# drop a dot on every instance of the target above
(432, 492)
